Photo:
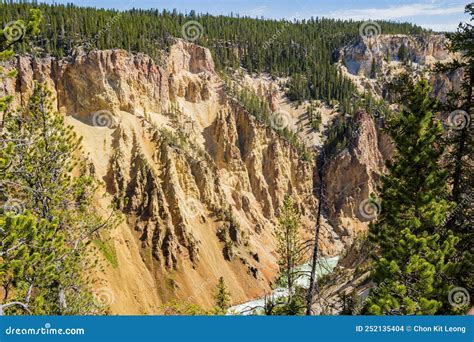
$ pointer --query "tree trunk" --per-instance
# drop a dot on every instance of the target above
(313, 282)
(461, 148)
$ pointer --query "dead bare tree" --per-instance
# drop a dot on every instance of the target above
(313, 282)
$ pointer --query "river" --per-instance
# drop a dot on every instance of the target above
(324, 266)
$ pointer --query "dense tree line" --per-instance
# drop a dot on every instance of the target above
(305, 49)
(422, 238)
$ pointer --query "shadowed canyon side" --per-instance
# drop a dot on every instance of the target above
(199, 179)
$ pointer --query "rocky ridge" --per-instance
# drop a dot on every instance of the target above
(421, 53)
(198, 179)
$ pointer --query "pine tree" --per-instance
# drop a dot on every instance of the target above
(403, 53)
(373, 69)
(290, 254)
(222, 297)
(33, 264)
(39, 179)
(414, 265)
(15, 33)
(460, 114)
(30, 249)
(314, 117)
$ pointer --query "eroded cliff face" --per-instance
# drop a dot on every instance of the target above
(352, 174)
(422, 50)
(372, 62)
(351, 177)
(199, 181)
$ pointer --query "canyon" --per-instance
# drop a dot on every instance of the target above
(198, 180)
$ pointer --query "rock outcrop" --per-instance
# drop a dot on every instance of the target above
(197, 178)
(351, 177)
(422, 50)
(372, 62)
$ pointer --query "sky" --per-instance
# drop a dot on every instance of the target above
(438, 15)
